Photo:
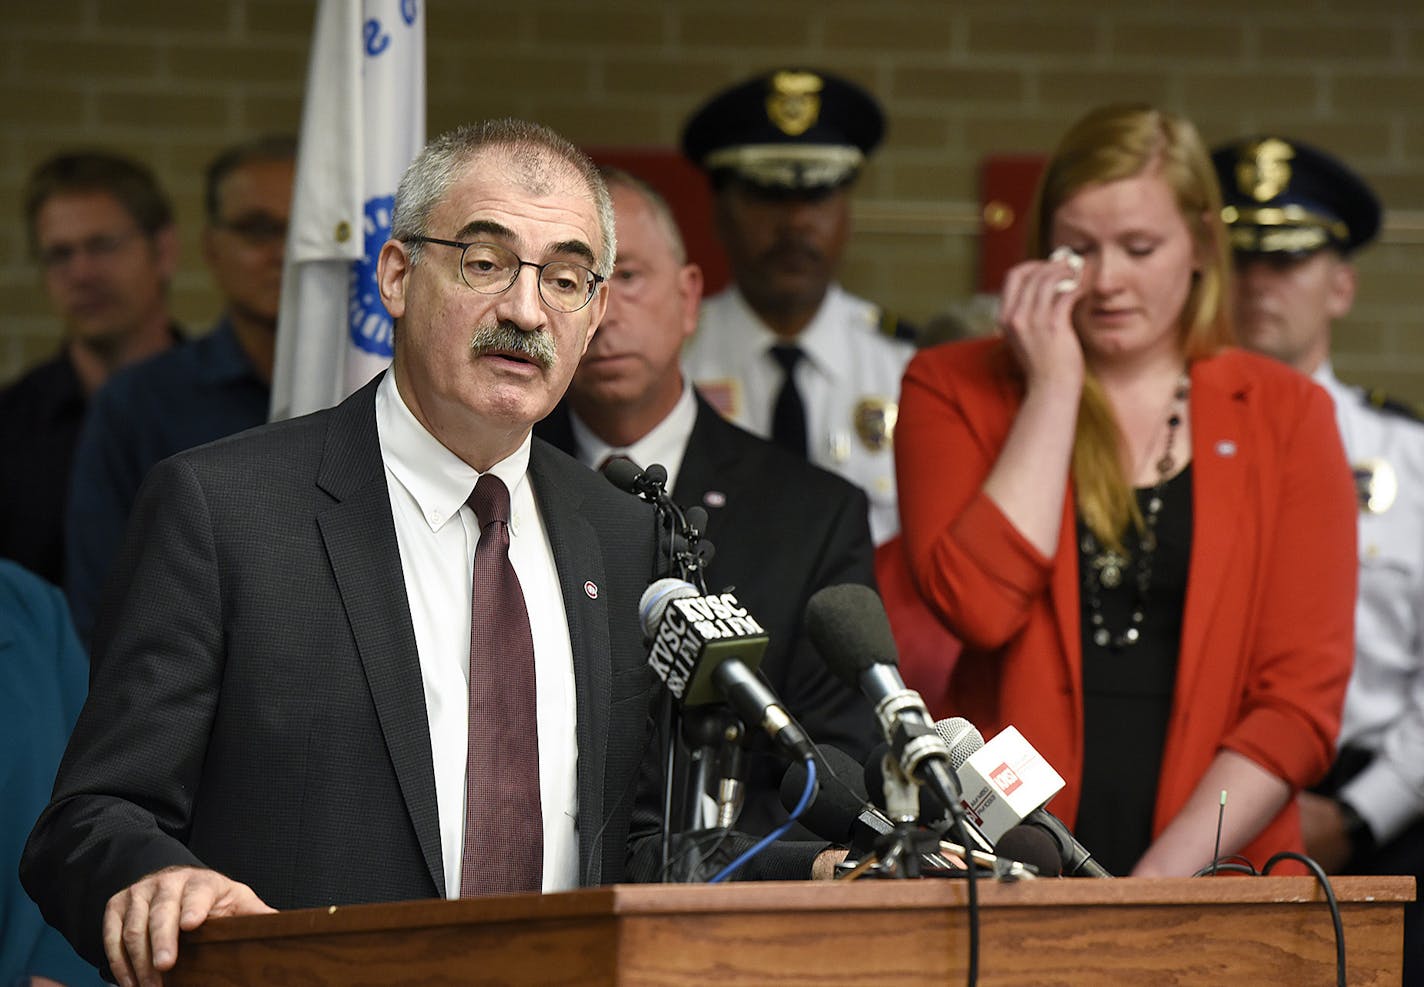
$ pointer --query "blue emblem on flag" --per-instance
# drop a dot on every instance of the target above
(370, 323)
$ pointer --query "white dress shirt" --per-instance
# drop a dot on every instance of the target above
(437, 533)
(664, 445)
(849, 381)
(1384, 706)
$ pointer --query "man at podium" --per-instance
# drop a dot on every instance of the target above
(387, 651)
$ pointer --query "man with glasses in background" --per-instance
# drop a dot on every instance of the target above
(102, 233)
(213, 386)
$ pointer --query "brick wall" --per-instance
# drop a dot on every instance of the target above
(172, 81)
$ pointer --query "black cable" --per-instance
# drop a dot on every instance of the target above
(1224, 868)
(961, 833)
(1324, 883)
(1236, 864)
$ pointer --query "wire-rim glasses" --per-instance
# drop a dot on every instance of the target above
(491, 269)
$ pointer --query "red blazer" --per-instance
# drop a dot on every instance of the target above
(1268, 632)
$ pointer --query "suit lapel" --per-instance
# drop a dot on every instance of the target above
(709, 463)
(360, 540)
(579, 561)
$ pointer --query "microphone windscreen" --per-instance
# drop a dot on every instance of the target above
(848, 626)
(657, 597)
(962, 737)
(656, 474)
(623, 474)
(1029, 845)
(696, 517)
(833, 813)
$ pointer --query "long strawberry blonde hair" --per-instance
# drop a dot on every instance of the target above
(1111, 143)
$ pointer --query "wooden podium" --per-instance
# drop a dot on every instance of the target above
(1223, 930)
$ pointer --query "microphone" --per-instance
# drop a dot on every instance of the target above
(1030, 845)
(1007, 783)
(848, 626)
(625, 475)
(962, 739)
(840, 812)
(706, 648)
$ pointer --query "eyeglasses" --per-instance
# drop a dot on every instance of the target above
(490, 269)
(100, 247)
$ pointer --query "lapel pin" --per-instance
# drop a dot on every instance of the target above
(591, 588)
(714, 498)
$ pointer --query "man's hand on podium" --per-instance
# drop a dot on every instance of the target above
(141, 922)
(823, 868)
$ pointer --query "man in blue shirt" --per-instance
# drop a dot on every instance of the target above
(43, 679)
(211, 387)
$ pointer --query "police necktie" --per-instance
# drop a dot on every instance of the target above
(504, 824)
(788, 414)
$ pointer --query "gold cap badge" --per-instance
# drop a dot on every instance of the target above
(794, 103)
(1264, 169)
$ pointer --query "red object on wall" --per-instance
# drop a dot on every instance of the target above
(688, 193)
(1007, 183)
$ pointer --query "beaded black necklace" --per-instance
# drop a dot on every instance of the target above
(1106, 567)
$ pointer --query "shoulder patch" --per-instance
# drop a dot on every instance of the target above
(1379, 400)
(897, 328)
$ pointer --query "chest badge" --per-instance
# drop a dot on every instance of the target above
(1376, 485)
(724, 394)
(875, 422)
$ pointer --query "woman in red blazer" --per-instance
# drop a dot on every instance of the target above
(1144, 538)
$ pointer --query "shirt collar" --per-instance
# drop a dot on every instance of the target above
(819, 341)
(664, 445)
(438, 480)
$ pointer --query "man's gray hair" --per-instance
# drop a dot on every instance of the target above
(614, 177)
(531, 148)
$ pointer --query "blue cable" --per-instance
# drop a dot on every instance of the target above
(778, 832)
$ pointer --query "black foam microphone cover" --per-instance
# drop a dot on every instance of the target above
(1031, 845)
(848, 626)
(623, 474)
(833, 813)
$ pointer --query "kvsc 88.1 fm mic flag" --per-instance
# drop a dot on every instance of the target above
(706, 648)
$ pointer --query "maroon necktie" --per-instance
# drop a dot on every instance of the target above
(504, 826)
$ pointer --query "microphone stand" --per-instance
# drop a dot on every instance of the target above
(694, 736)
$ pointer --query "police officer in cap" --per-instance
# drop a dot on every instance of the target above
(1296, 216)
(786, 352)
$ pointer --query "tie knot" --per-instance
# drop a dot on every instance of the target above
(490, 500)
(788, 355)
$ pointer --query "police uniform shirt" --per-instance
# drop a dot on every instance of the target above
(1384, 705)
(849, 381)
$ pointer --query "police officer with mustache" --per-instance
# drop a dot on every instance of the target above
(785, 351)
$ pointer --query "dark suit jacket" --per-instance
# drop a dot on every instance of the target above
(256, 703)
(782, 529)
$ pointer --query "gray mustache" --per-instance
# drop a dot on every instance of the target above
(506, 337)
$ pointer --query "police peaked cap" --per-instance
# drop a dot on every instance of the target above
(789, 129)
(1284, 196)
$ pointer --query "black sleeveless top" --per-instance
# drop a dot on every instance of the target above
(1127, 691)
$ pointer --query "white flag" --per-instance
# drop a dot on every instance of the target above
(363, 121)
